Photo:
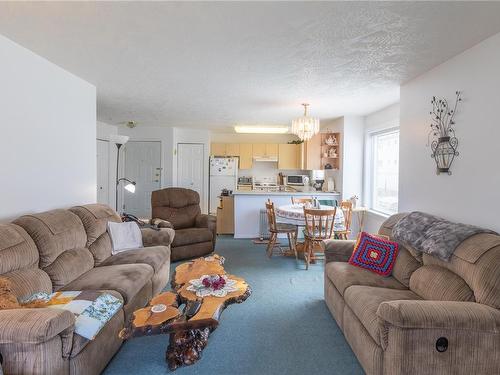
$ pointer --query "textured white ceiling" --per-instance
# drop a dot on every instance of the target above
(217, 64)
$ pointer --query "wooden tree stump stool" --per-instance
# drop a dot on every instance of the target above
(186, 317)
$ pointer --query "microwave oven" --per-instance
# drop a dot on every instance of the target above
(297, 180)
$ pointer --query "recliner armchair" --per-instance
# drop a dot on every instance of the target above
(195, 233)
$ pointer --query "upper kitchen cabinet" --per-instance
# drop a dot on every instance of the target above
(225, 149)
(289, 156)
(272, 150)
(246, 155)
(259, 150)
(310, 153)
(265, 150)
(218, 149)
(233, 149)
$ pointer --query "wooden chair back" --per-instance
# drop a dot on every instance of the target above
(301, 200)
(346, 207)
(319, 223)
(271, 215)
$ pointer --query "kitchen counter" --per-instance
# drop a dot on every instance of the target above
(287, 193)
(247, 206)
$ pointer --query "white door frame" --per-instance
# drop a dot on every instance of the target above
(203, 188)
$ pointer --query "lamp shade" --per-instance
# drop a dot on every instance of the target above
(119, 139)
(130, 187)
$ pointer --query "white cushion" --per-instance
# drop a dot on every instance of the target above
(124, 236)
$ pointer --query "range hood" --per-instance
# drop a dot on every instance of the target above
(272, 159)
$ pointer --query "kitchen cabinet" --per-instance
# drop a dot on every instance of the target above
(218, 149)
(259, 150)
(246, 155)
(233, 149)
(272, 150)
(310, 153)
(289, 156)
(225, 215)
(265, 150)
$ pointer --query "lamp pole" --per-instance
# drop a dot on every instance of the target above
(118, 145)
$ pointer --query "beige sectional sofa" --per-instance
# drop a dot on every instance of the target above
(71, 250)
(429, 317)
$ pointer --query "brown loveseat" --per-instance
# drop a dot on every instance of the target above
(429, 317)
(195, 233)
(71, 250)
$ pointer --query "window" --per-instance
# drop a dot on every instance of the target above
(383, 164)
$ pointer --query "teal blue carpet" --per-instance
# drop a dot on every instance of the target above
(284, 327)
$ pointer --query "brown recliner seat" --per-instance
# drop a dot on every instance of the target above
(195, 233)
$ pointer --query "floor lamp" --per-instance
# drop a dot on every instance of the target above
(119, 141)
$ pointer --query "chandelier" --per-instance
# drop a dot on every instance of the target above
(305, 127)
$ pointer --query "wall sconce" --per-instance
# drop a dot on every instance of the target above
(444, 144)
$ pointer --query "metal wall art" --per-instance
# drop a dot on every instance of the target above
(444, 142)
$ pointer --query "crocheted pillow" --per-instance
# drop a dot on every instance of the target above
(374, 254)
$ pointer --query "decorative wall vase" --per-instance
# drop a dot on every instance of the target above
(444, 145)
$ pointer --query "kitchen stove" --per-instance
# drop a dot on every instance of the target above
(265, 183)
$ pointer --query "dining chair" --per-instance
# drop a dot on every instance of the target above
(346, 207)
(319, 227)
(301, 200)
(276, 228)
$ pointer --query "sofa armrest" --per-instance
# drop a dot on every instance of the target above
(440, 314)
(160, 223)
(162, 237)
(338, 250)
(35, 325)
(207, 221)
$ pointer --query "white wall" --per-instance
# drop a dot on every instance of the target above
(352, 152)
(472, 193)
(104, 131)
(383, 119)
(48, 135)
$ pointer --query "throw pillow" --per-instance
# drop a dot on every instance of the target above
(374, 254)
(124, 236)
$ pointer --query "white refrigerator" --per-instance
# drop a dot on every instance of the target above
(223, 175)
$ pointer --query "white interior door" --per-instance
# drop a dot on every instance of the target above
(142, 165)
(103, 172)
(190, 163)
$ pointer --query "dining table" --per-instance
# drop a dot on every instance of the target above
(294, 214)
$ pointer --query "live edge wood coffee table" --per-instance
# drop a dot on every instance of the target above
(187, 317)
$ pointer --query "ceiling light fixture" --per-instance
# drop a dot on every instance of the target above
(305, 127)
(261, 129)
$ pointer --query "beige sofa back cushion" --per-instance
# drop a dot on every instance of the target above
(95, 218)
(406, 262)
(60, 238)
(476, 262)
(438, 284)
(19, 262)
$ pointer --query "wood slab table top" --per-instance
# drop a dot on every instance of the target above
(189, 327)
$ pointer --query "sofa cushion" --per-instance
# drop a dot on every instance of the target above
(343, 275)
(155, 256)
(364, 302)
(439, 284)
(404, 266)
(95, 218)
(60, 238)
(191, 236)
(127, 279)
